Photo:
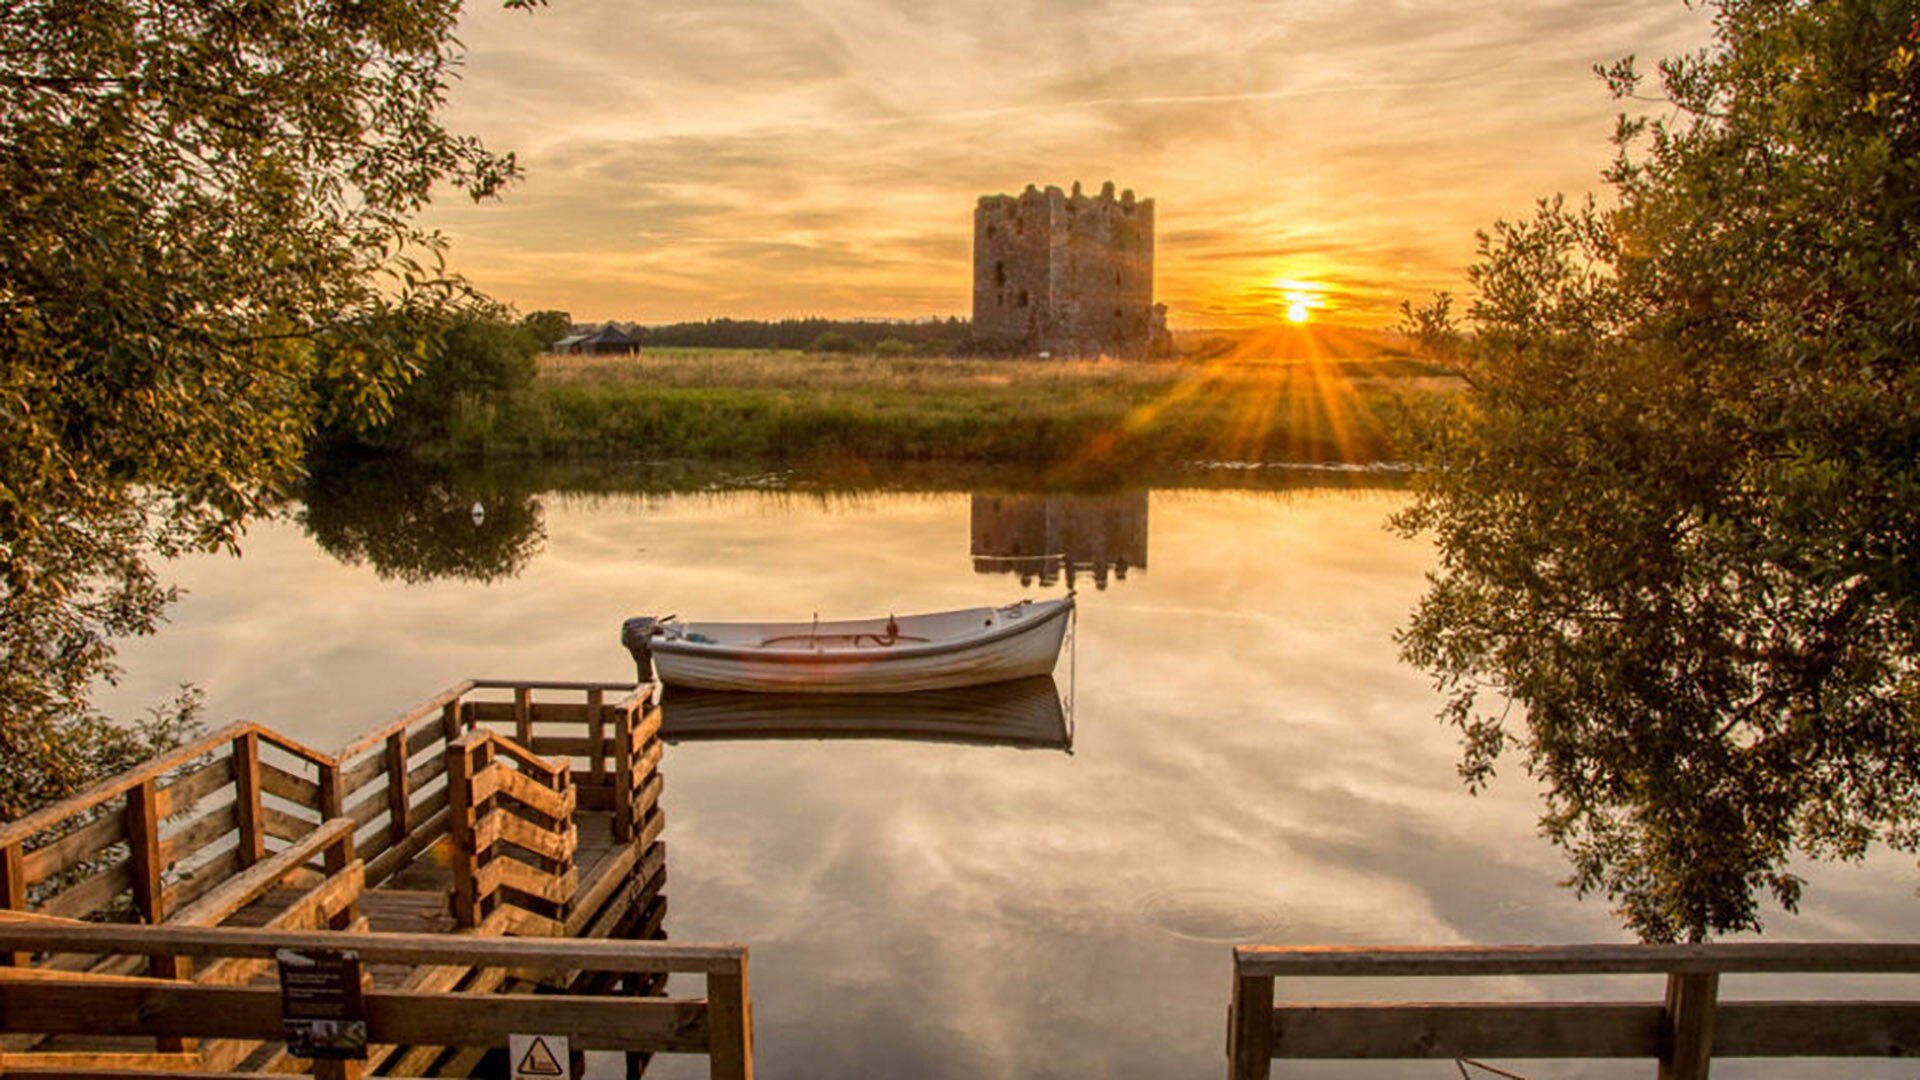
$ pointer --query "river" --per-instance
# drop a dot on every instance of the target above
(1247, 761)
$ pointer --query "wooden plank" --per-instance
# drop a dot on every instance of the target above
(428, 735)
(1250, 1028)
(180, 795)
(398, 1017)
(380, 948)
(44, 1062)
(119, 1074)
(293, 746)
(576, 746)
(552, 713)
(499, 825)
(729, 1026)
(606, 876)
(1817, 1029)
(203, 880)
(1432, 1030)
(528, 792)
(512, 874)
(357, 776)
(247, 791)
(91, 894)
(1686, 1032)
(49, 818)
(237, 892)
(434, 704)
(385, 864)
(284, 826)
(550, 684)
(523, 714)
(425, 772)
(188, 840)
(398, 820)
(1732, 957)
(275, 780)
(84, 843)
(370, 805)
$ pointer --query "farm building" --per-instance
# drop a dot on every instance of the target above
(607, 339)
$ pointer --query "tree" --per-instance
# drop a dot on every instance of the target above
(548, 327)
(1678, 505)
(193, 197)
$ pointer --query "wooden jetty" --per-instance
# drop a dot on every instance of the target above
(493, 856)
(1682, 1033)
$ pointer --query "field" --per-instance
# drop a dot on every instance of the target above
(1341, 404)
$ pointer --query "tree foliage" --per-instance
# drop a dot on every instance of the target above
(192, 195)
(1677, 509)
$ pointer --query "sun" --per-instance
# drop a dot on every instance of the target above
(1299, 307)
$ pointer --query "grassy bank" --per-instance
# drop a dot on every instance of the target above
(784, 406)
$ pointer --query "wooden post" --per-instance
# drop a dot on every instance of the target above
(729, 1025)
(331, 797)
(450, 721)
(597, 733)
(398, 822)
(143, 845)
(1686, 1032)
(460, 826)
(523, 716)
(246, 805)
(13, 895)
(625, 785)
(1250, 1028)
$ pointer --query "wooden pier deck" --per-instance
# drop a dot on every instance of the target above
(495, 810)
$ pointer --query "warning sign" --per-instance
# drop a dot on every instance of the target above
(538, 1057)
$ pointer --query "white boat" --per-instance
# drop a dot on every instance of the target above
(890, 655)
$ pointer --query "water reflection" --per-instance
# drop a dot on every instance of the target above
(1045, 536)
(1023, 713)
(420, 524)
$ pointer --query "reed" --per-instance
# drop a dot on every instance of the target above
(787, 406)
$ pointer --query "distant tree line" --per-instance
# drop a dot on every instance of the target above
(930, 336)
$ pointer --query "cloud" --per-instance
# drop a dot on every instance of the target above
(774, 157)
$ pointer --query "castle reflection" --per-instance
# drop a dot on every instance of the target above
(1046, 537)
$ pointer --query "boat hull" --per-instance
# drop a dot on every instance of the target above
(1023, 652)
(1024, 713)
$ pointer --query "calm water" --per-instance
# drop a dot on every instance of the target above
(1249, 762)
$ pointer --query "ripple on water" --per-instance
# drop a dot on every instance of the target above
(1211, 914)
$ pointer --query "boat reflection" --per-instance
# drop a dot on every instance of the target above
(1024, 713)
(1047, 536)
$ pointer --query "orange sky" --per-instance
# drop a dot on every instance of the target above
(768, 158)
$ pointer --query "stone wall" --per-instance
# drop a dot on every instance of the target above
(1065, 274)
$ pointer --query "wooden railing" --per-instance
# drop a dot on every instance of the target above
(513, 834)
(1683, 1033)
(154, 839)
(31, 1002)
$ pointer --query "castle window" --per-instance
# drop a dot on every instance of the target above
(1022, 302)
(1000, 274)
(992, 231)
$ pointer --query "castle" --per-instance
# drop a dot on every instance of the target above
(1065, 275)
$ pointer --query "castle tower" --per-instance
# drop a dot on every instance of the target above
(1065, 274)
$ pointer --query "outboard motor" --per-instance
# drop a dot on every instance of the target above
(634, 634)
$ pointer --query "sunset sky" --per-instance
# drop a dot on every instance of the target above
(768, 158)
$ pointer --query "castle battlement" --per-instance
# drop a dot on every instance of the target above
(1065, 273)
